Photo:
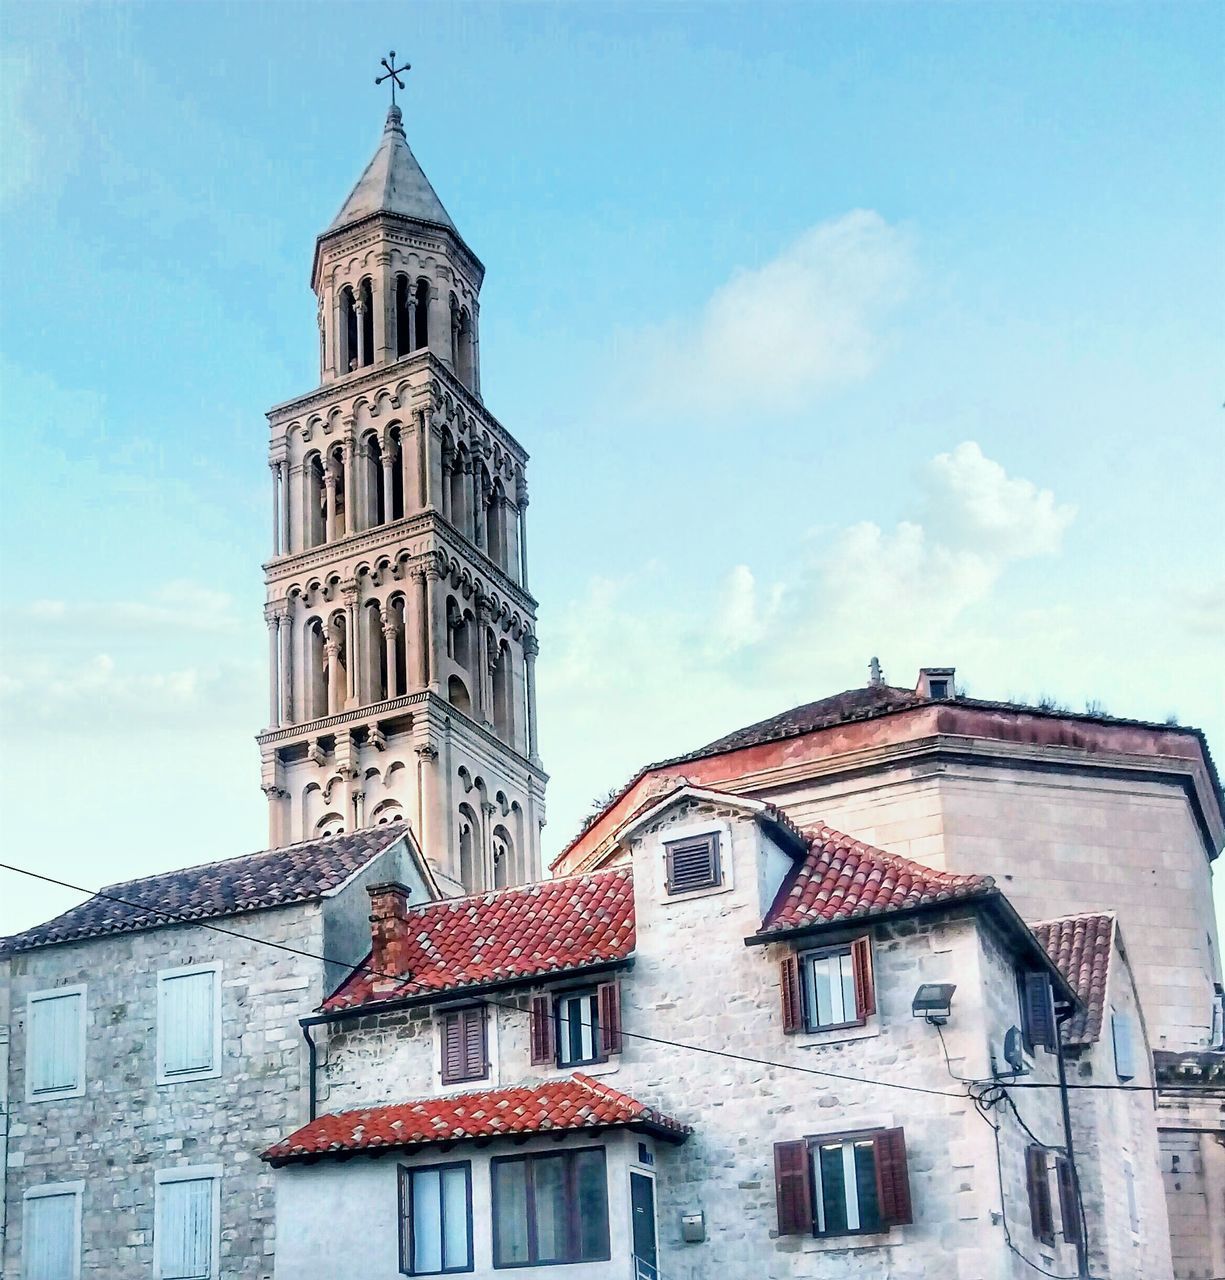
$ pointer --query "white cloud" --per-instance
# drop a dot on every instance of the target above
(775, 336)
(181, 604)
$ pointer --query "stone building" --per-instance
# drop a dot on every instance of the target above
(402, 635)
(513, 1067)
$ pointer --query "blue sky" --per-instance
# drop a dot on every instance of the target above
(833, 330)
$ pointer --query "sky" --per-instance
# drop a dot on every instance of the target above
(833, 330)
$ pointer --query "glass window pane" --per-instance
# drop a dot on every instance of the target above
(865, 1185)
(824, 990)
(833, 1189)
(455, 1216)
(427, 1221)
(549, 1186)
(848, 1181)
(592, 1191)
(510, 1211)
(849, 1009)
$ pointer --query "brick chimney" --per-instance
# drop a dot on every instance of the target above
(388, 927)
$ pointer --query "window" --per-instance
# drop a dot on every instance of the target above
(188, 1023)
(464, 1052)
(51, 1232)
(831, 987)
(55, 1044)
(550, 1208)
(1037, 1011)
(436, 1219)
(186, 1223)
(1124, 1046)
(938, 688)
(1038, 1187)
(693, 864)
(843, 1184)
(577, 1027)
(1069, 1199)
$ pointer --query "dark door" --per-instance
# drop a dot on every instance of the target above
(642, 1210)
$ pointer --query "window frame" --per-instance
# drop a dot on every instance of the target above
(866, 980)
(849, 1138)
(188, 1173)
(51, 1190)
(572, 1217)
(591, 994)
(213, 1072)
(443, 1017)
(77, 1090)
(710, 839)
(405, 1173)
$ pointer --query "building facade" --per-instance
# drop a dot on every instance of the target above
(402, 635)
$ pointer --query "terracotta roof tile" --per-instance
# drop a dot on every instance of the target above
(297, 873)
(841, 878)
(550, 926)
(1081, 946)
(576, 1103)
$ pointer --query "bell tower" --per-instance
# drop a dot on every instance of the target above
(402, 635)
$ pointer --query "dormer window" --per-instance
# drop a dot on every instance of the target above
(938, 688)
(694, 864)
(937, 683)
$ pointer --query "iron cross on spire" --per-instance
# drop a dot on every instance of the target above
(393, 74)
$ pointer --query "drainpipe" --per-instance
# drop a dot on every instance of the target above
(312, 1065)
(1082, 1241)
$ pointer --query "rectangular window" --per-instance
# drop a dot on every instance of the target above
(578, 1029)
(550, 1208)
(694, 864)
(186, 1223)
(51, 1232)
(836, 988)
(436, 1219)
(188, 1023)
(1038, 1187)
(1124, 1046)
(464, 1045)
(55, 1043)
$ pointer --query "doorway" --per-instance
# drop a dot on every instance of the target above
(642, 1216)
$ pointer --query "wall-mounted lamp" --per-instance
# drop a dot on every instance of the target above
(934, 1001)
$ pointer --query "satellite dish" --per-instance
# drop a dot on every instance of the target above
(1014, 1053)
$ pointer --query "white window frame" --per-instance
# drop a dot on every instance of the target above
(589, 1029)
(188, 1173)
(186, 971)
(52, 993)
(48, 1189)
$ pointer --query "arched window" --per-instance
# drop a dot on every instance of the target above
(336, 465)
(495, 515)
(374, 653)
(465, 350)
(457, 695)
(396, 449)
(503, 708)
(459, 490)
(348, 331)
(470, 870)
(338, 695)
(455, 620)
(388, 811)
(331, 824)
(314, 514)
(398, 612)
(505, 873)
(421, 300)
(316, 671)
(367, 317)
(375, 509)
(405, 316)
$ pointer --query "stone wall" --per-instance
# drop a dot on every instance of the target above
(1192, 1138)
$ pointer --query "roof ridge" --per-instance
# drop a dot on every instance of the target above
(525, 887)
(898, 859)
(1075, 915)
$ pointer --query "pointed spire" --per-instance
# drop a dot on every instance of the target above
(393, 182)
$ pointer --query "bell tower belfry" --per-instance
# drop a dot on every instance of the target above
(402, 635)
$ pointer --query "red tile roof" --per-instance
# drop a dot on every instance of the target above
(301, 872)
(1081, 946)
(576, 1103)
(844, 879)
(550, 926)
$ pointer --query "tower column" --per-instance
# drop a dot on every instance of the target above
(389, 467)
(390, 632)
(431, 463)
(353, 665)
(283, 477)
(531, 647)
(272, 616)
(329, 487)
(434, 622)
(350, 480)
(359, 308)
(384, 323)
(275, 468)
(523, 534)
(335, 697)
(478, 505)
(410, 461)
(286, 634)
(419, 623)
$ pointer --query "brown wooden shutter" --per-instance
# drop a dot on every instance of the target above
(793, 997)
(865, 987)
(1038, 1186)
(1069, 1201)
(893, 1178)
(542, 1030)
(793, 1188)
(1038, 1011)
(452, 1048)
(610, 1016)
(475, 1056)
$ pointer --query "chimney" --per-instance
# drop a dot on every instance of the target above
(388, 925)
(876, 677)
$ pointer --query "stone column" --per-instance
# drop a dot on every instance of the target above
(531, 647)
(411, 311)
(349, 455)
(349, 594)
(478, 505)
(484, 703)
(329, 494)
(434, 621)
(335, 698)
(284, 476)
(431, 462)
(461, 519)
(359, 309)
(383, 349)
(410, 457)
(390, 632)
(275, 468)
(324, 369)
(286, 633)
(272, 615)
(476, 352)
(389, 468)
(431, 827)
(511, 528)
(440, 326)
(454, 317)
(523, 536)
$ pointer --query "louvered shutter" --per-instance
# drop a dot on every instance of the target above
(793, 1188)
(865, 987)
(51, 1243)
(610, 1016)
(792, 994)
(1069, 1201)
(542, 1030)
(184, 1230)
(1038, 1011)
(892, 1178)
(55, 1043)
(474, 1043)
(452, 1048)
(187, 1022)
(1038, 1187)
(1124, 1046)
(693, 864)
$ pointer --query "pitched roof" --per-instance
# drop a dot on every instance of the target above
(297, 873)
(841, 878)
(549, 926)
(576, 1103)
(1081, 946)
(393, 182)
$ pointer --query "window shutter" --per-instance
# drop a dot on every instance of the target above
(893, 1178)
(1124, 1046)
(452, 1048)
(475, 1055)
(1038, 1011)
(1069, 1201)
(542, 1030)
(793, 1188)
(865, 987)
(184, 1230)
(693, 864)
(1038, 1186)
(610, 1016)
(55, 1045)
(187, 1022)
(793, 997)
(51, 1244)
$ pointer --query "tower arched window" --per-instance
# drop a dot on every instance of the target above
(421, 301)
(374, 653)
(366, 346)
(338, 680)
(397, 674)
(459, 490)
(495, 516)
(348, 331)
(396, 449)
(316, 671)
(314, 514)
(505, 872)
(503, 709)
(376, 512)
(465, 350)
(470, 870)
(457, 695)
(406, 316)
(336, 468)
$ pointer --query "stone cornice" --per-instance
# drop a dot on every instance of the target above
(368, 229)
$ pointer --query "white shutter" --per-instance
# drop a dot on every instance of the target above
(55, 1043)
(186, 1023)
(184, 1230)
(1124, 1046)
(49, 1251)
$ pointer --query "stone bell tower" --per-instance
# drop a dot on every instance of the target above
(402, 635)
